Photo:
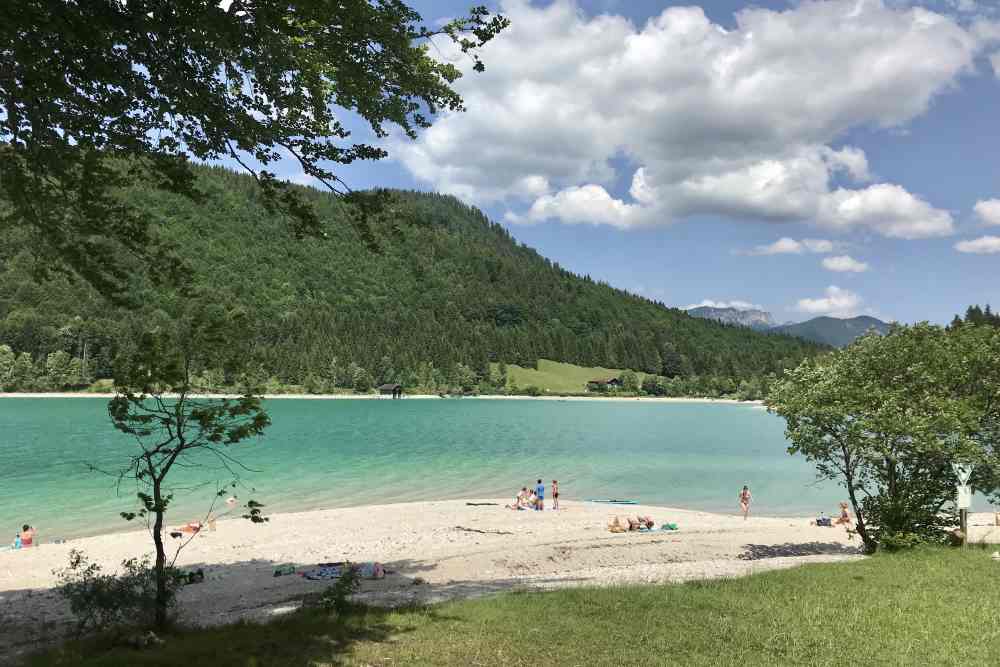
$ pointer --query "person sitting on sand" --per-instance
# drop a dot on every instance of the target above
(519, 500)
(27, 536)
(616, 526)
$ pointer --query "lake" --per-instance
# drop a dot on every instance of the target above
(330, 453)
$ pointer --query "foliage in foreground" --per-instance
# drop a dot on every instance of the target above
(928, 606)
(888, 416)
(103, 601)
(95, 96)
(153, 403)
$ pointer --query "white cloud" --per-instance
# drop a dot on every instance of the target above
(739, 122)
(789, 246)
(837, 303)
(739, 305)
(586, 204)
(984, 245)
(844, 264)
(988, 211)
(888, 209)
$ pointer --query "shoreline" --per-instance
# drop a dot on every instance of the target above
(372, 397)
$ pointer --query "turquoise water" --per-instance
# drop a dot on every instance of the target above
(322, 453)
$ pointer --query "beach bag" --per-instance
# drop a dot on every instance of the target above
(372, 570)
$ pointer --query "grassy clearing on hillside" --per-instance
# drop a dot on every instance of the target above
(559, 378)
(933, 606)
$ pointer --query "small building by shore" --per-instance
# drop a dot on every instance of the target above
(391, 389)
(604, 384)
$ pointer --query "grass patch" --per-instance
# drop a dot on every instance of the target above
(933, 606)
(559, 378)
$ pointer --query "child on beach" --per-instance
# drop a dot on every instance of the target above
(745, 498)
(555, 495)
(540, 492)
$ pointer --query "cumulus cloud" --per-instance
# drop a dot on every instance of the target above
(984, 245)
(988, 211)
(740, 122)
(844, 264)
(739, 305)
(789, 246)
(837, 302)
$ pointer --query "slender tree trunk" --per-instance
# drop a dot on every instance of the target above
(870, 544)
(160, 610)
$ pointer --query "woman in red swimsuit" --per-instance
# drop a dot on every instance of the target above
(27, 536)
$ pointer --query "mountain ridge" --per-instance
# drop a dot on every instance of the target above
(835, 331)
(761, 320)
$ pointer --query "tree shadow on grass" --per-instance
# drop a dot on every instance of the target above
(251, 617)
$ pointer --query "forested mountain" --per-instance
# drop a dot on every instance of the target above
(447, 292)
(755, 319)
(833, 330)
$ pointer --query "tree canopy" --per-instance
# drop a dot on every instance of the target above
(97, 95)
(886, 418)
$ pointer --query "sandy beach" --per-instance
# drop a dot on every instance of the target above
(433, 551)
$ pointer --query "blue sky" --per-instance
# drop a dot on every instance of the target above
(667, 148)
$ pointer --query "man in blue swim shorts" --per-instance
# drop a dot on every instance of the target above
(540, 492)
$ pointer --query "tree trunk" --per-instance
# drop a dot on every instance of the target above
(160, 571)
(870, 544)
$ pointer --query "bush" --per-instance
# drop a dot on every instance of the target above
(892, 542)
(337, 598)
(103, 601)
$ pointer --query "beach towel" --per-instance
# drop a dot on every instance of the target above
(324, 572)
(327, 571)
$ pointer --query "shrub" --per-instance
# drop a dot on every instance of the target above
(892, 542)
(337, 597)
(102, 601)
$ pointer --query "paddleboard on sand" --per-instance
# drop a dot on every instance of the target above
(612, 501)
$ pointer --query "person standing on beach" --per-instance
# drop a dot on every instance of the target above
(745, 498)
(540, 492)
(555, 495)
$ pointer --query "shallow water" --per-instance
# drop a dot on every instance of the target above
(321, 453)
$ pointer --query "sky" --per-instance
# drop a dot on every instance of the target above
(830, 157)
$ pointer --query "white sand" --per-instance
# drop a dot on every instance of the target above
(524, 549)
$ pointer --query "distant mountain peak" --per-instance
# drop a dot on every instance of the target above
(751, 317)
(835, 331)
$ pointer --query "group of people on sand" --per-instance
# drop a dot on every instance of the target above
(534, 499)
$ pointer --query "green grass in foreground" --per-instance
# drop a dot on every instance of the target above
(559, 378)
(934, 607)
